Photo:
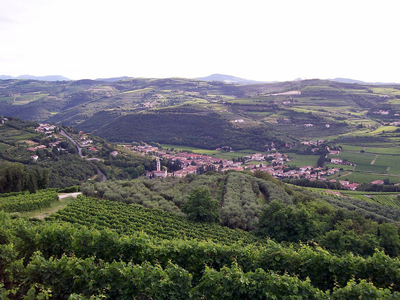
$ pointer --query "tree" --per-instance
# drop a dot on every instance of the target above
(389, 238)
(284, 223)
(201, 207)
(321, 160)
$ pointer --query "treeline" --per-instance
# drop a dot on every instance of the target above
(16, 177)
(68, 170)
(369, 187)
(314, 183)
(126, 166)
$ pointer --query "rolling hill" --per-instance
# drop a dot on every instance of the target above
(294, 110)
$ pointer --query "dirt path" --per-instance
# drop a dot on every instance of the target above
(62, 196)
(64, 199)
(374, 160)
(344, 175)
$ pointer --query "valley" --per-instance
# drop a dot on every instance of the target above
(191, 189)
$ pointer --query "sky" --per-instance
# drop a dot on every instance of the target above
(254, 39)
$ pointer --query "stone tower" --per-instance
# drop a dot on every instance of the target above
(158, 164)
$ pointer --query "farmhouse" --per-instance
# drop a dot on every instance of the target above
(377, 182)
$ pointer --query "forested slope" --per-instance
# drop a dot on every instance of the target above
(184, 126)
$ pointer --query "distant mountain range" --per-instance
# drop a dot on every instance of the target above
(214, 77)
(44, 78)
(229, 79)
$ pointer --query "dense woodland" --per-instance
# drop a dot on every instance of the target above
(201, 130)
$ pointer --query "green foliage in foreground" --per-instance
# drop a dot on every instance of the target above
(43, 258)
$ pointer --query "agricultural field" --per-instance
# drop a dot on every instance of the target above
(390, 149)
(213, 153)
(373, 163)
(365, 177)
(364, 161)
(386, 91)
(302, 160)
(383, 129)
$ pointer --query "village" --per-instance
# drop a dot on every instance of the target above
(273, 163)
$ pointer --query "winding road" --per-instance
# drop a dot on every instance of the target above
(62, 132)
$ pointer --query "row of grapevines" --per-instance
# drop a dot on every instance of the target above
(324, 270)
(3, 195)
(130, 218)
(386, 200)
(28, 202)
(92, 277)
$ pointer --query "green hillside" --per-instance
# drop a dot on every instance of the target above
(346, 107)
(49, 154)
(201, 129)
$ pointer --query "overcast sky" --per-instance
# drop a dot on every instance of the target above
(260, 40)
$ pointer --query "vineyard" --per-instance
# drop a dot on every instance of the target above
(131, 218)
(388, 200)
(28, 202)
(70, 261)
(102, 249)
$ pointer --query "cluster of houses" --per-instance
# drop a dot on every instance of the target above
(312, 143)
(85, 142)
(48, 129)
(338, 161)
(45, 128)
(382, 112)
(190, 163)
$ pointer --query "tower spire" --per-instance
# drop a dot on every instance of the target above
(158, 164)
